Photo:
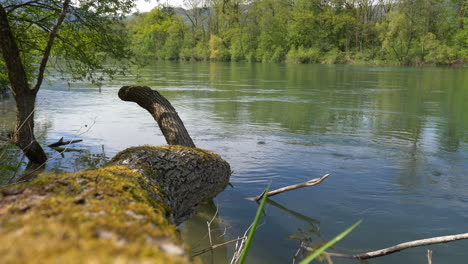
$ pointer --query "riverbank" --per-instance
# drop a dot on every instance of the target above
(329, 58)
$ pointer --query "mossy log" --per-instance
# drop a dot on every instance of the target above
(125, 212)
(186, 175)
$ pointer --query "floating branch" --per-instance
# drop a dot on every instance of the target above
(399, 247)
(291, 187)
(62, 143)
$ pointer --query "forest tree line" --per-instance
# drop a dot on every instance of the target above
(403, 32)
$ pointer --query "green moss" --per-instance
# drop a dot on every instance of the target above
(105, 215)
(205, 154)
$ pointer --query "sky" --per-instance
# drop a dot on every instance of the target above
(145, 6)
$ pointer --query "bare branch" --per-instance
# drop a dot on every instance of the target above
(11, 8)
(399, 247)
(50, 42)
(291, 187)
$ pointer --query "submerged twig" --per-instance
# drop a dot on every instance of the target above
(217, 246)
(291, 187)
(239, 247)
(209, 226)
(399, 247)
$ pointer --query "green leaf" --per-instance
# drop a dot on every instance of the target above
(254, 226)
(8, 168)
(330, 243)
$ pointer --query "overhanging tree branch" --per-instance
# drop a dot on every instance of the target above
(50, 42)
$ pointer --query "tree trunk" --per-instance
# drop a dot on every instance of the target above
(24, 132)
(25, 97)
(162, 111)
(187, 176)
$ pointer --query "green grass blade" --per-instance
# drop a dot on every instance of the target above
(330, 243)
(248, 242)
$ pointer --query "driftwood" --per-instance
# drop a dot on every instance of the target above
(60, 142)
(399, 247)
(124, 212)
(291, 187)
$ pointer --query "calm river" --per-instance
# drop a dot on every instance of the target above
(394, 139)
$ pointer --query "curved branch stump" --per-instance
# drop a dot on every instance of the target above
(124, 212)
(162, 111)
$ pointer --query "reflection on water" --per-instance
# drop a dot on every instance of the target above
(394, 139)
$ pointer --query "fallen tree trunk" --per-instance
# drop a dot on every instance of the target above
(125, 212)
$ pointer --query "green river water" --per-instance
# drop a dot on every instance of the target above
(394, 139)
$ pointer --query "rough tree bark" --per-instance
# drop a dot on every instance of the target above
(24, 96)
(124, 212)
(162, 111)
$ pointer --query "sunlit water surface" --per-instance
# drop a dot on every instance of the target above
(394, 139)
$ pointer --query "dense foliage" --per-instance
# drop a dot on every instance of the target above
(3, 78)
(90, 33)
(76, 37)
(405, 32)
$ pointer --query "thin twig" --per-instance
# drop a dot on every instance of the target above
(216, 246)
(209, 226)
(291, 187)
(297, 253)
(399, 247)
(14, 183)
(50, 42)
(239, 247)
